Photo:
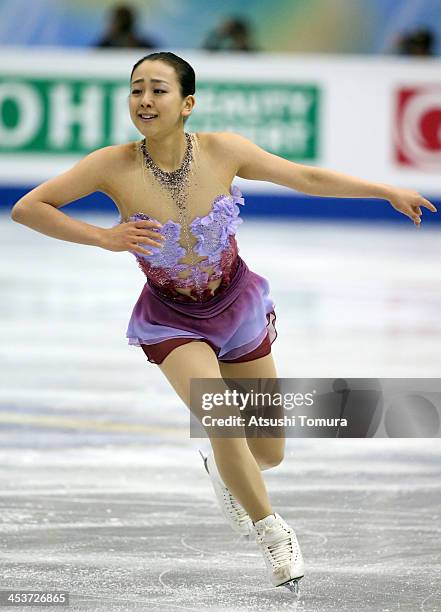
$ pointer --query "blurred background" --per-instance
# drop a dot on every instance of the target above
(299, 26)
(94, 446)
(349, 85)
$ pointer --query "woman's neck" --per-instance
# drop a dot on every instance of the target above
(167, 151)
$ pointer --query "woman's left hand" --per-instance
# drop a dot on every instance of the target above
(409, 202)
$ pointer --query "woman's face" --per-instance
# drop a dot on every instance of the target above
(155, 92)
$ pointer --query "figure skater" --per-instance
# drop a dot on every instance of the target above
(202, 312)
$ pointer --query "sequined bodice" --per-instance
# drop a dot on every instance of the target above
(199, 219)
(215, 244)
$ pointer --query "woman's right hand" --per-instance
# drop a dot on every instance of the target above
(129, 235)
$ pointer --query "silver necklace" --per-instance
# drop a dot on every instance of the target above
(176, 182)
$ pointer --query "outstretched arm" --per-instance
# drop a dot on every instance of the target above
(255, 163)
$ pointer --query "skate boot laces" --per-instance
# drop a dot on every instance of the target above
(234, 513)
(280, 545)
(239, 514)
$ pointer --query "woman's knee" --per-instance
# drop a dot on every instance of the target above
(272, 460)
(267, 454)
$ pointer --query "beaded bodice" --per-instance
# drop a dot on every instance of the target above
(215, 242)
(199, 254)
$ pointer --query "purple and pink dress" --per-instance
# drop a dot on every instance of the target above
(178, 303)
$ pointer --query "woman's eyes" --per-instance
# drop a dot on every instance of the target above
(135, 91)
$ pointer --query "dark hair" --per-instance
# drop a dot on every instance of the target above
(185, 73)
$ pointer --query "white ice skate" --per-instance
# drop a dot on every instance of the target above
(281, 551)
(236, 516)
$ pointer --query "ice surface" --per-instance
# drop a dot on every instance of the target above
(103, 494)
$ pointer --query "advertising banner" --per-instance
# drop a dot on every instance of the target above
(376, 118)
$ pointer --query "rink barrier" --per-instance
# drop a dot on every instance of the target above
(263, 205)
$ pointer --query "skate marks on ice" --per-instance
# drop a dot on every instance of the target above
(108, 499)
(120, 534)
(99, 570)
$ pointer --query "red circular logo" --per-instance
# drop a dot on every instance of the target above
(418, 128)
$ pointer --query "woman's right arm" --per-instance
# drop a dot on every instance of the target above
(39, 209)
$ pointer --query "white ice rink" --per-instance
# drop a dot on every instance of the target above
(104, 495)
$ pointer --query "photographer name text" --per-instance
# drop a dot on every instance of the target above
(286, 421)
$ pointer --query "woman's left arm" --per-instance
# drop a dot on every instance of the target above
(257, 164)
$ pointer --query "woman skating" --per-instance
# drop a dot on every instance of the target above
(202, 312)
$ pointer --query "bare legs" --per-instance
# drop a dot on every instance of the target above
(239, 460)
(268, 452)
(241, 474)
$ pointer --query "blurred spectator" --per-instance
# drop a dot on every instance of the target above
(121, 31)
(417, 42)
(233, 34)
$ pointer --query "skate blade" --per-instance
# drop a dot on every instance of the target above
(293, 585)
(204, 459)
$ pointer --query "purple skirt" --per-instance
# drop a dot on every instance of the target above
(234, 322)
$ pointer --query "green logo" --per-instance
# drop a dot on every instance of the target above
(74, 116)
